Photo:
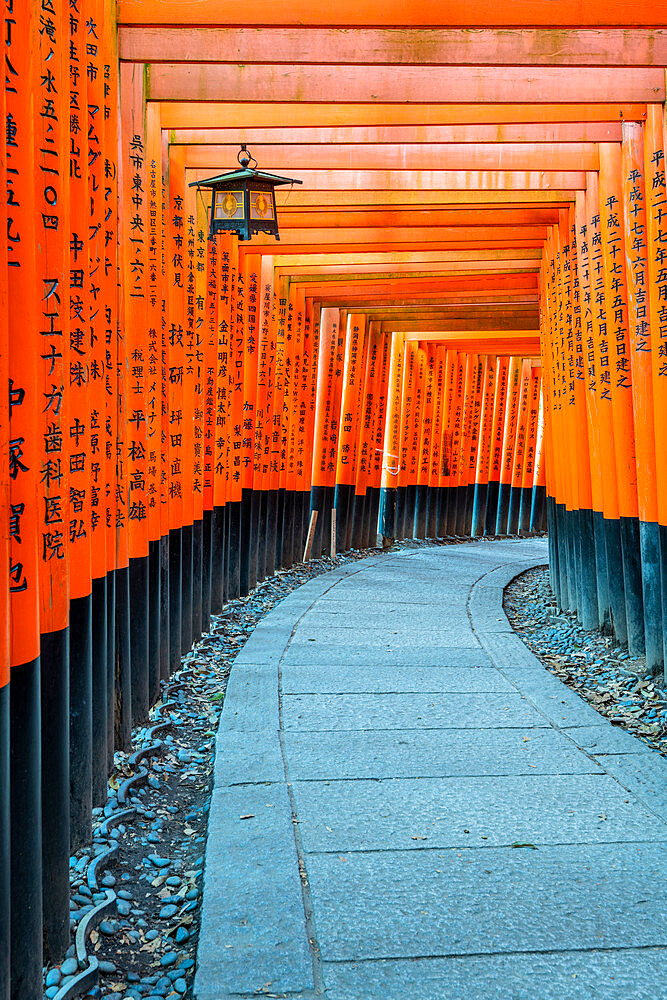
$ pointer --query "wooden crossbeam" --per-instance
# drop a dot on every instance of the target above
(385, 156)
(215, 113)
(397, 46)
(428, 13)
(408, 84)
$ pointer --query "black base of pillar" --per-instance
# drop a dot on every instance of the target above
(632, 579)
(197, 575)
(233, 589)
(139, 637)
(525, 507)
(662, 532)
(409, 510)
(111, 668)
(217, 560)
(153, 621)
(271, 532)
(186, 589)
(514, 508)
(502, 517)
(431, 512)
(81, 721)
(589, 577)
(123, 663)
(100, 707)
(468, 501)
(401, 514)
(54, 693)
(419, 523)
(246, 543)
(649, 541)
(461, 500)
(491, 507)
(343, 502)
(26, 830)
(207, 564)
(359, 521)
(253, 540)
(388, 515)
(552, 540)
(612, 537)
(165, 628)
(538, 512)
(261, 535)
(374, 495)
(479, 509)
(5, 859)
(175, 600)
(601, 573)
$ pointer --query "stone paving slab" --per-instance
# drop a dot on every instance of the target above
(249, 758)
(342, 750)
(391, 639)
(410, 711)
(621, 974)
(411, 814)
(398, 905)
(251, 701)
(604, 738)
(414, 753)
(647, 777)
(333, 654)
(310, 679)
(253, 930)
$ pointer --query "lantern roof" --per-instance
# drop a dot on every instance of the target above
(243, 175)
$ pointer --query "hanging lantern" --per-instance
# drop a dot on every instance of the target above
(244, 201)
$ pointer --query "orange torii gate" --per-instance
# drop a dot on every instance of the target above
(463, 326)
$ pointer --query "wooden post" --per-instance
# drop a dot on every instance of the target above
(311, 535)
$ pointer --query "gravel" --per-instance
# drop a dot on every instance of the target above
(594, 665)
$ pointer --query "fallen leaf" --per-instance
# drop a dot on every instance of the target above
(247, 816)
(519, 844)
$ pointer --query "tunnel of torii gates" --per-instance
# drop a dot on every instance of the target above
(464, 324)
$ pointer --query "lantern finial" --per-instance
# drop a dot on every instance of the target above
(245, 157)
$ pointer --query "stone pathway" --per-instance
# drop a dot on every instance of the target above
(407, 805)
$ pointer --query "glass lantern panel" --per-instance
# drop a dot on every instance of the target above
(262, 207)
(229, 205)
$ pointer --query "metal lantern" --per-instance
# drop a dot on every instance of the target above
(244, 201)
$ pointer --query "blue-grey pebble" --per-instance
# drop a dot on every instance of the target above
(169, 958)
(69, 967)
(53, 977)
(107, 927)
(151, 935)
(124, 894)
(159, 862)
(109, 881)
(182, 935)
(124, 908)
(181, 986)
(51, 992)
(107, 968)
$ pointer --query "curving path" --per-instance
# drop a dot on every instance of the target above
(407, 805)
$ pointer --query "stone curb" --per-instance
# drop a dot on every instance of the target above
(252, 902)
(636, 767)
